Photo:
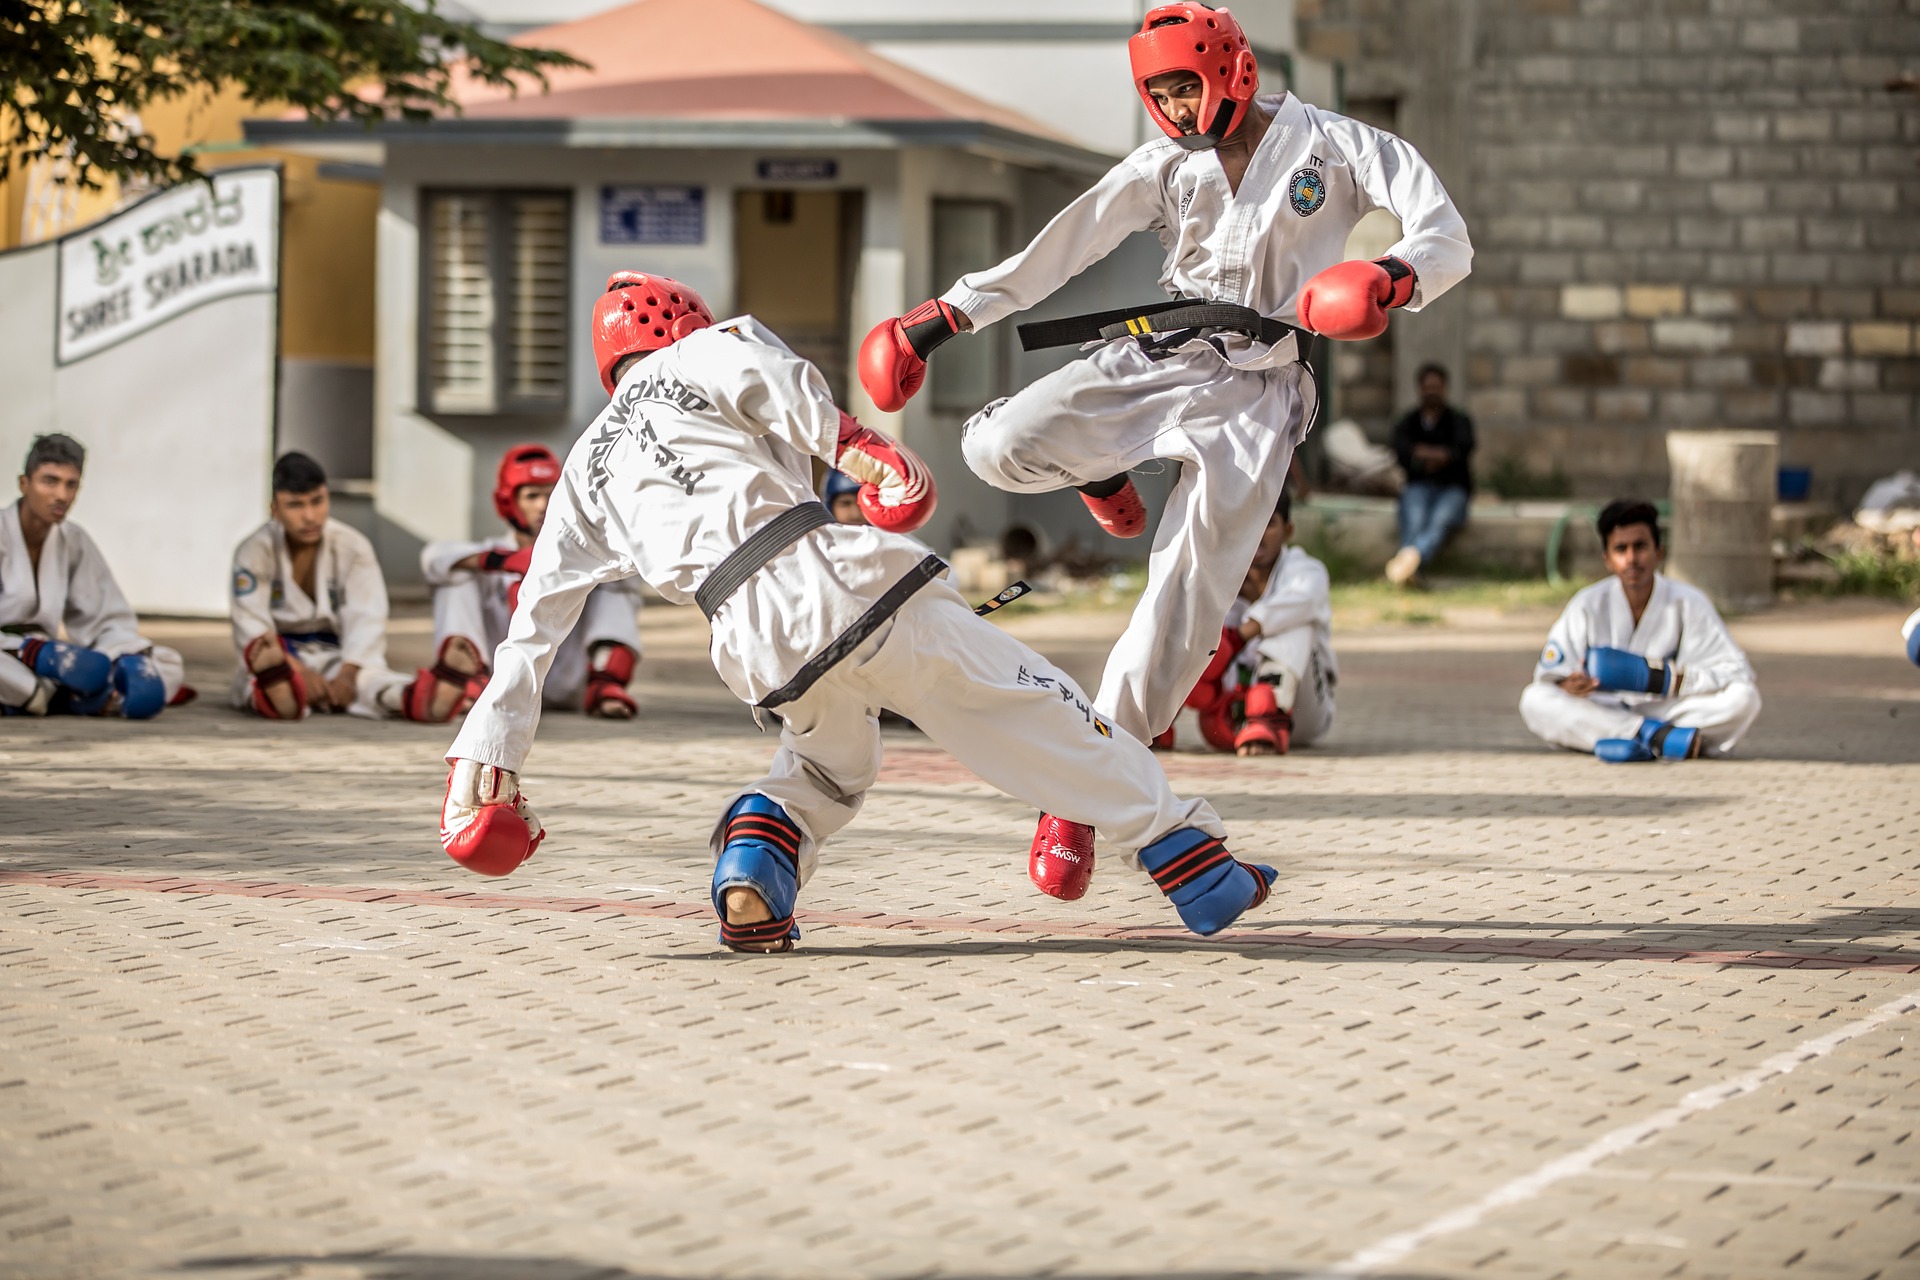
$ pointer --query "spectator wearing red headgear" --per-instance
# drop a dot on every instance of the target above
(1254, 197)
(477, 584)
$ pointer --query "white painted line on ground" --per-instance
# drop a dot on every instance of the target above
(1396, 1248)
(1720, 1177)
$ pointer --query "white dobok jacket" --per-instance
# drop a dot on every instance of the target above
(74, 589)
(703, 443)
(352, 603)
(1299, 593)
(1311, 179)
(1680, 625)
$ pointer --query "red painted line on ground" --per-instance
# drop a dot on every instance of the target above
(1519, 948)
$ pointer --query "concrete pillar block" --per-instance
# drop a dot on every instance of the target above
(1723, 489)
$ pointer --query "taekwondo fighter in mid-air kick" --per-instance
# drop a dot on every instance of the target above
(697, 479)
(1254, 197)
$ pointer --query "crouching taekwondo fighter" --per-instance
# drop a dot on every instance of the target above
(1253, 197)
(697, 479)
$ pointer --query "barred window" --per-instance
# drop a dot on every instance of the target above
(495, 301)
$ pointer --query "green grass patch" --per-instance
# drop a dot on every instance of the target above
(1865, 573)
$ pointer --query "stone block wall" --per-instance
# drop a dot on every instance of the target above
(1686, 213)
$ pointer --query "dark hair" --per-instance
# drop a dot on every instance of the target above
(54, 449)
(1625, 511)
(1284, 507)
(1434, 367)
(297, 473)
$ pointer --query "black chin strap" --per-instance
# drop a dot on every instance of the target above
(1216, 133)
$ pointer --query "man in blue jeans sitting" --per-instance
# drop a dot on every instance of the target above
(1434, 444)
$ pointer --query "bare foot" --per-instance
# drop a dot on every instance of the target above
(744, 906)
(1249, 749)
(611, 708)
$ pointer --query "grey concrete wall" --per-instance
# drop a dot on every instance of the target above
(1687, 213)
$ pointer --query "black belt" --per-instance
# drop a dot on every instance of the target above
(1161, 317)
(752, 555)
(312, 637)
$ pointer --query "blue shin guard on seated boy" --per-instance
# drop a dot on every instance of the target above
(761, 852)
(1653, 741)
(1208, 886)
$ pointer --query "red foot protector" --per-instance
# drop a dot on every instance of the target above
(1267, 728)
(486, 825)
(272, 671)
(427, 684)
(1061, 860)
(612, 669)
(1120, 513)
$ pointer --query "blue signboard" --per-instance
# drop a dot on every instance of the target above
(653, 215)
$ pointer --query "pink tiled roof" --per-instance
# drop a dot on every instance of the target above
(724, 60)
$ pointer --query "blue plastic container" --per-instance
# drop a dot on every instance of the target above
(1795, 483)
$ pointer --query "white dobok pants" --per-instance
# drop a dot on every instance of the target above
(1000, 708)
(1294, 653)
(17, 681)
(324, 660)
(1578, 723)
(1234, 430)
(463, 606)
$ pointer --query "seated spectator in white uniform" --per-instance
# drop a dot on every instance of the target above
(1269, 687)
(309, 614)
(1640, 667)
(476, 585)
(53, 579)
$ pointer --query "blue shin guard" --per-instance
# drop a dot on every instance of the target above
(761, 853)
(1654, 740)
(1207, 885)
(143, 694)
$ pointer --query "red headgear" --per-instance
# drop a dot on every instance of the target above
(639, 312)
(523, 465)
(1209, 43)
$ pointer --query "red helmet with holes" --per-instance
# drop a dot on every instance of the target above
(639, 312)
(524, 464)
(1210, 44)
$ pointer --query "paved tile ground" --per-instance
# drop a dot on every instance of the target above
(1509, 1013)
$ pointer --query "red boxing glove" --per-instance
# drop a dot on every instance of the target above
(497, 561)
(1349, 301)
(896, 489)
(893, 358)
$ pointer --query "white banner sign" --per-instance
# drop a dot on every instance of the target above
(168, 254)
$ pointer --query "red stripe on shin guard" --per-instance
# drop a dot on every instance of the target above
(756, 934)
(783, 836)
(1195, 862)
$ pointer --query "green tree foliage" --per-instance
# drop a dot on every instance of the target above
(71, 71)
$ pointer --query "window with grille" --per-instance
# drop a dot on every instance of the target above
(495, 301)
